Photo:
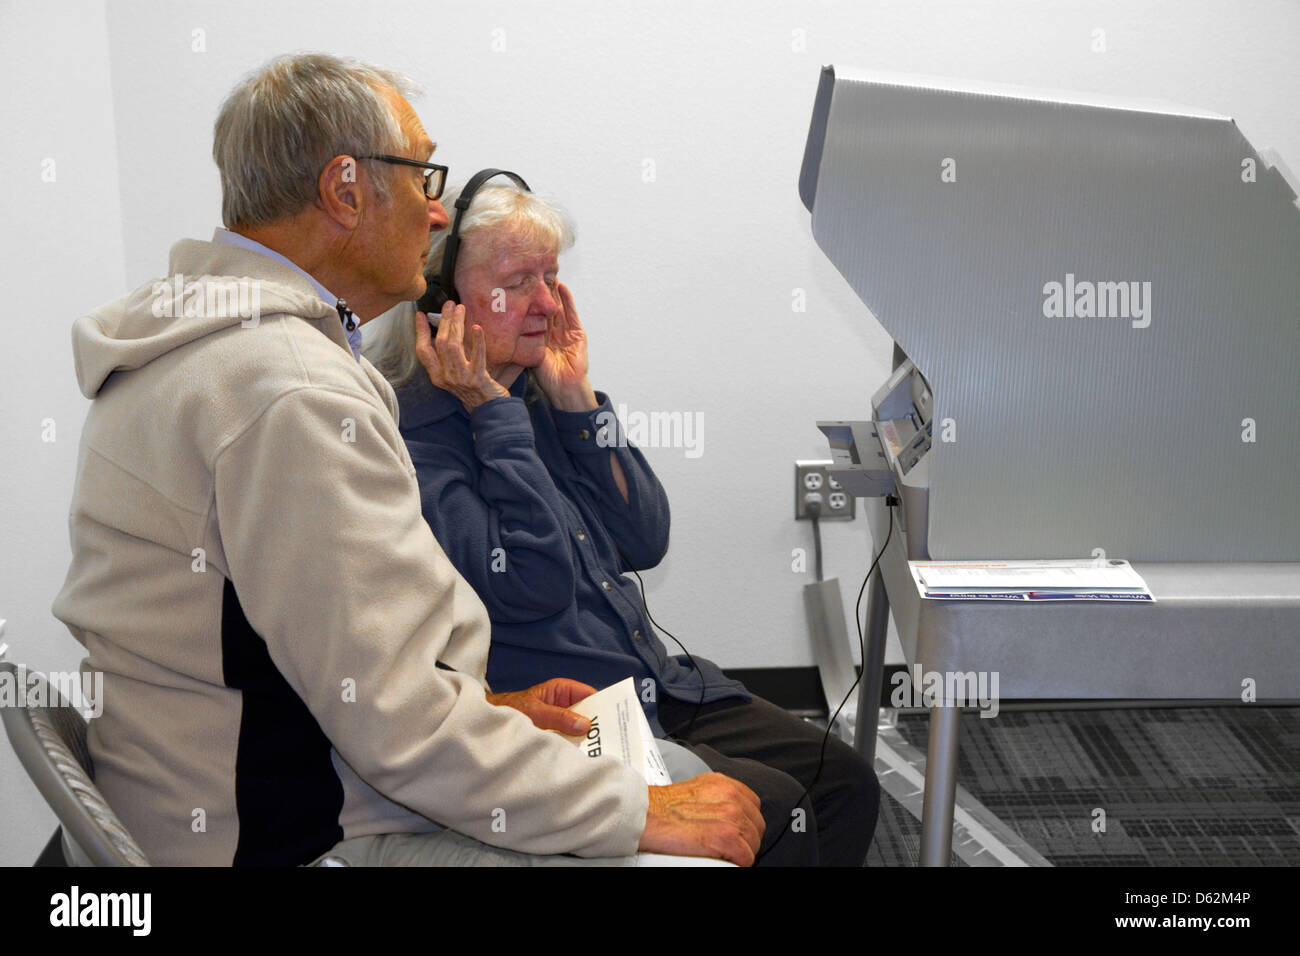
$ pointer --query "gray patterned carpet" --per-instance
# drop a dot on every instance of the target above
(1205, 786)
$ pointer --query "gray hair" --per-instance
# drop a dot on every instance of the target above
(504, 211)
(285, 121)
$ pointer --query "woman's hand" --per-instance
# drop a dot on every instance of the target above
(445, 360)
(563, 371)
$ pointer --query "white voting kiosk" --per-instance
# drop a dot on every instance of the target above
(1095, 305)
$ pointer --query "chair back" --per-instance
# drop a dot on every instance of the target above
(49, 737)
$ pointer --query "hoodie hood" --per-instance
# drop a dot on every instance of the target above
(207, 289)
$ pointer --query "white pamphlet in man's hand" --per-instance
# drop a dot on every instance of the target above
(619, 729)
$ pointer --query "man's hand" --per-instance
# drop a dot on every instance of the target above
(445, 360)
(546, 704)
(709, 815)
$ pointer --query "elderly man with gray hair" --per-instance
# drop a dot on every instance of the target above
(292, 667)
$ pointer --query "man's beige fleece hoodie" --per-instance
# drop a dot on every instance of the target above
(272, 615)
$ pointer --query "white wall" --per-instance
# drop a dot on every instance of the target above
(685, 283)
(62, 242)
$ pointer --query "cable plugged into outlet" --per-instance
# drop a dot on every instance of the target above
(815, 485)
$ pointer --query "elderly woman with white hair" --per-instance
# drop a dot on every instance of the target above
(542, 506)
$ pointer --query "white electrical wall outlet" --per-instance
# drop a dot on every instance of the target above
(813, 482)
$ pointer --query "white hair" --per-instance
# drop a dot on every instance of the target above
(504, 214)
(285, 121)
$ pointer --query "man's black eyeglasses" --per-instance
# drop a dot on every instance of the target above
(435, 176)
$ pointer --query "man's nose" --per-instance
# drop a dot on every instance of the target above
(438, 218)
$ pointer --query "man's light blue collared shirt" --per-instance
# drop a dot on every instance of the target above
(228, 238)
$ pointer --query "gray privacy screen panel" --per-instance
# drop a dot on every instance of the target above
(1169, 431)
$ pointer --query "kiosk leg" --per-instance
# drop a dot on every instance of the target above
(940, 786)
(873, 669)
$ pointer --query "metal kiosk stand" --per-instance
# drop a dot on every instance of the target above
(1096, 311)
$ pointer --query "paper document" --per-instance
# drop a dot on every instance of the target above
(1044, 580)
(619, 729)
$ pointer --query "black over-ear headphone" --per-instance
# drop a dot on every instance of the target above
(444, 287)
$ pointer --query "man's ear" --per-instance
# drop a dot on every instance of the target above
(340, 193)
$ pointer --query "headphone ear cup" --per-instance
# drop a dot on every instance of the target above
(432, 301)
(435, 295)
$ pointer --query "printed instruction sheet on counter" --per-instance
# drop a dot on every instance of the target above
(1106, 579)
(619, 729)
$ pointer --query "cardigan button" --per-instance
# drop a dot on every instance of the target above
(580, 535)
(636, 635)
(606, 585)
(584, 434)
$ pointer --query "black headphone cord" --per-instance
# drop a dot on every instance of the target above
(862, 645)
(646, 607)
(830, 723)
